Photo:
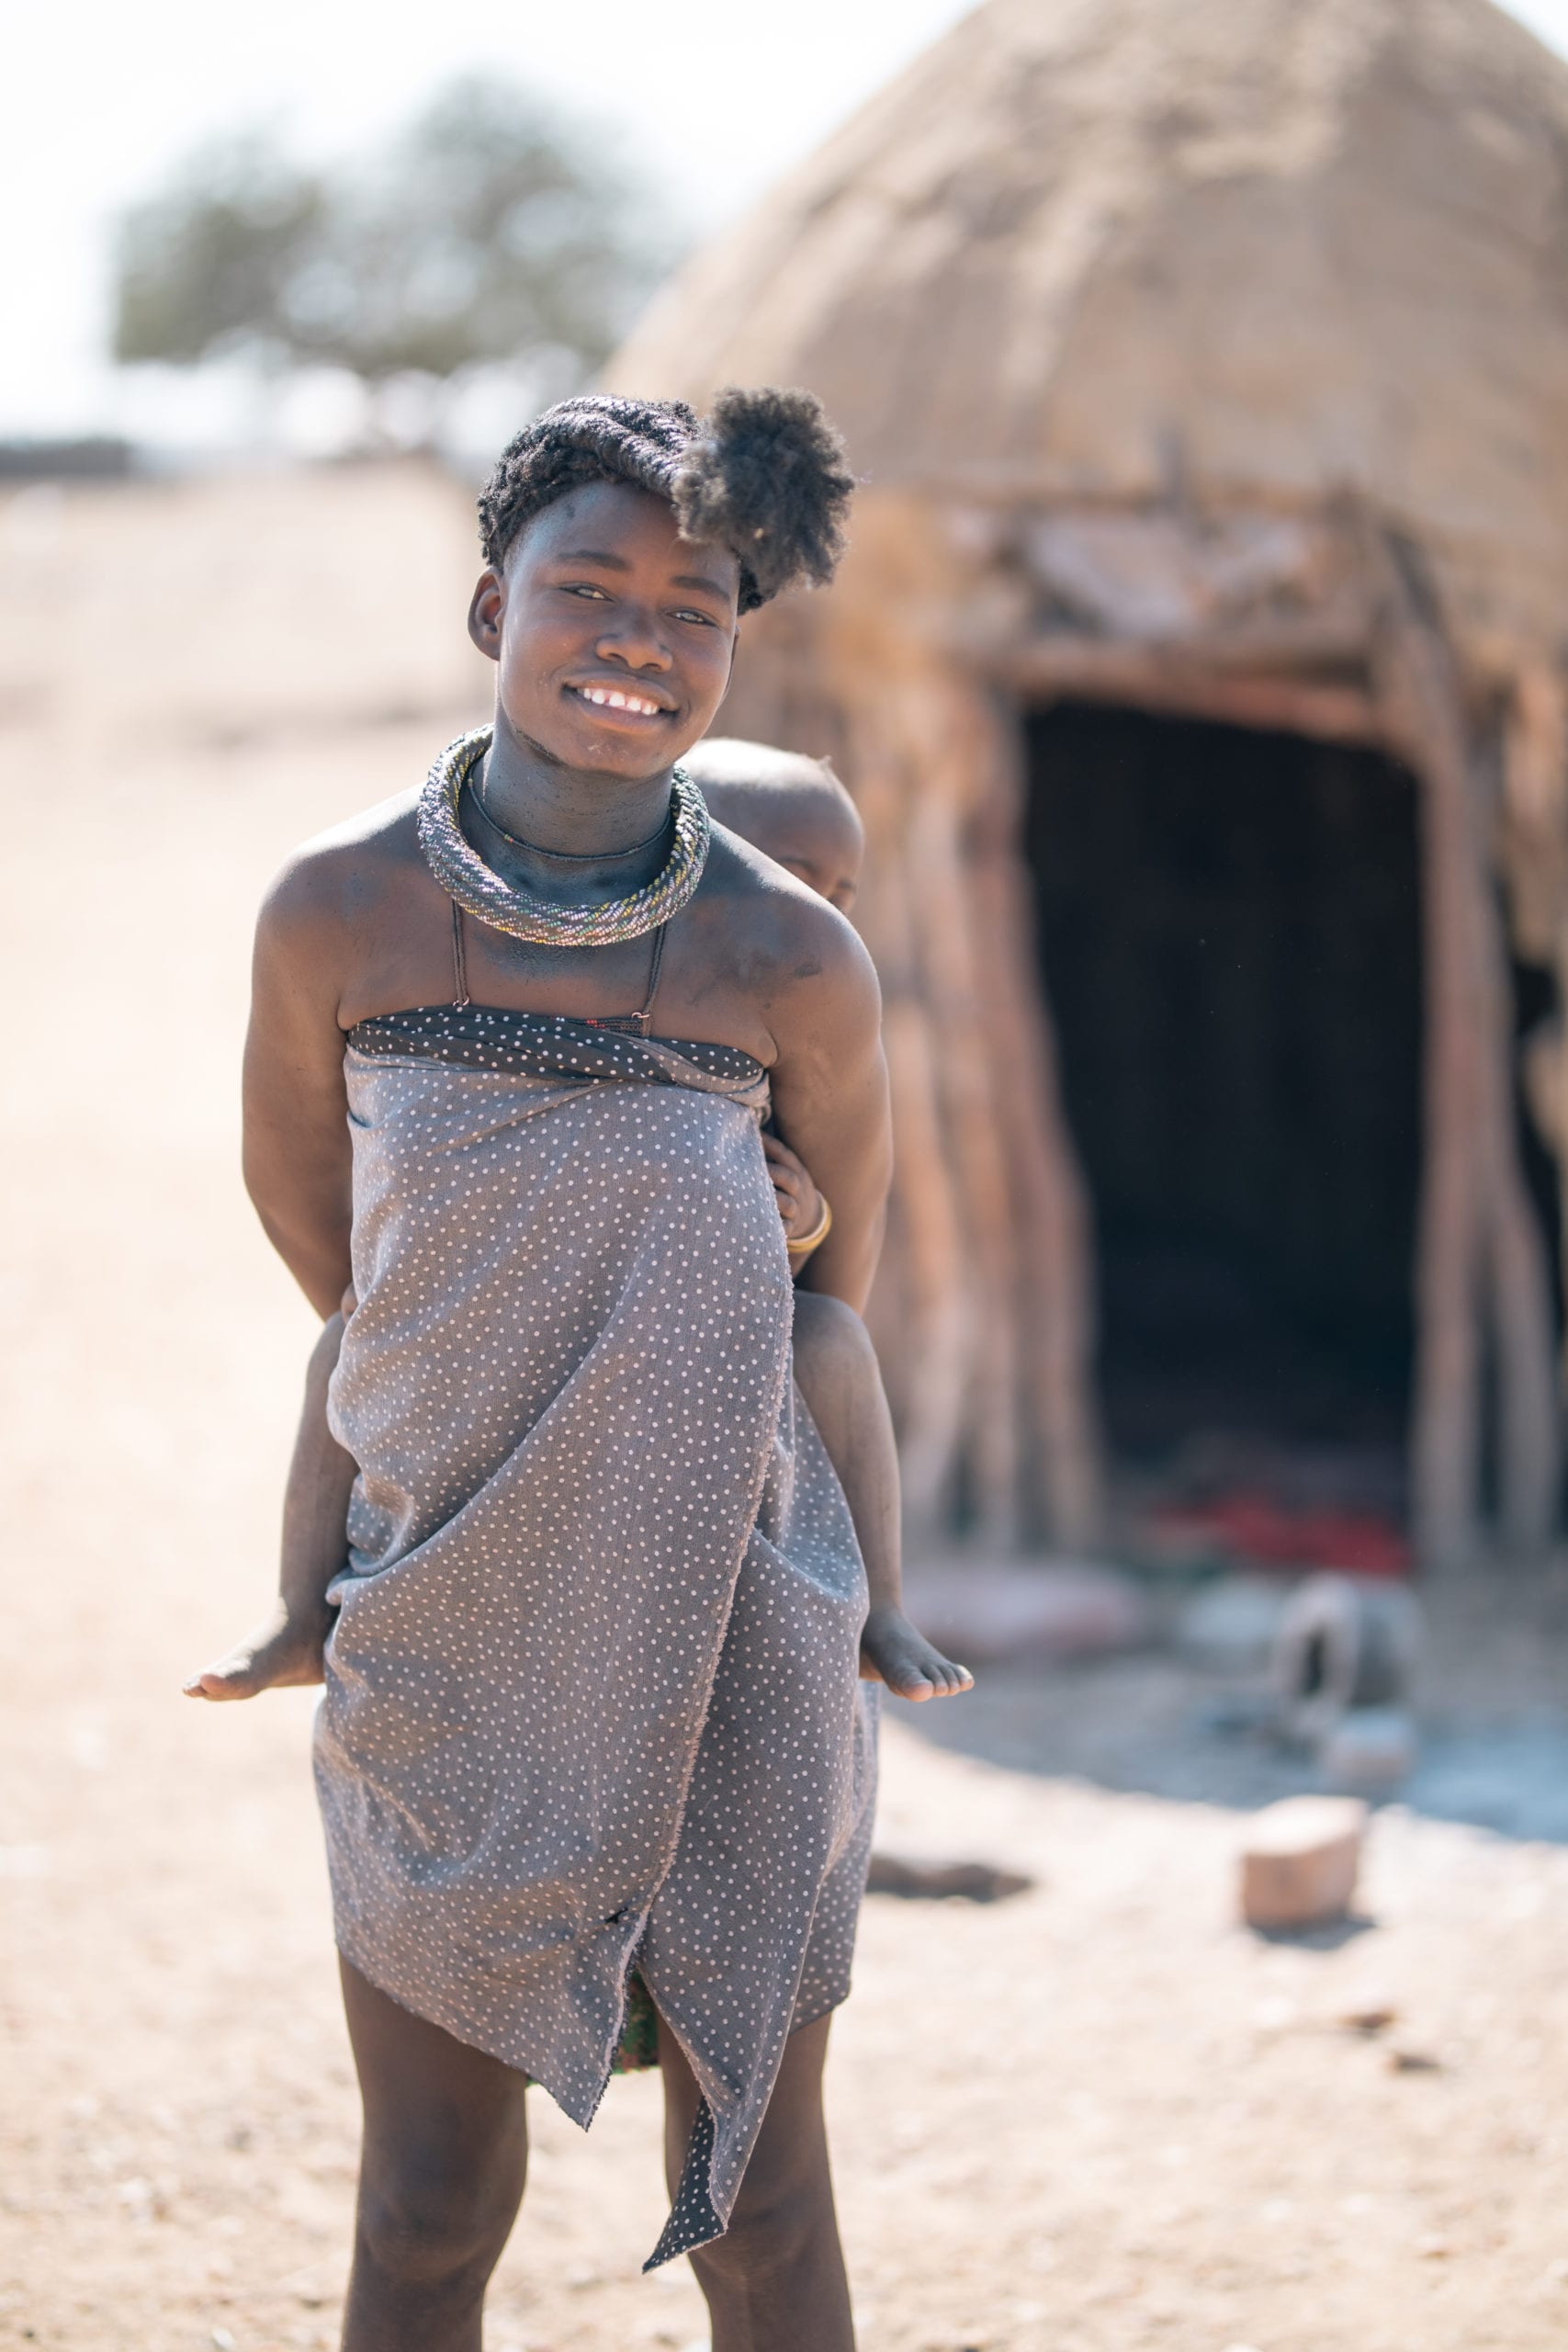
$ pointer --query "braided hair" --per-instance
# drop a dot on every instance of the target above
(762, 474)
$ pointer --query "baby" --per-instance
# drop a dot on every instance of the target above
(796, 811)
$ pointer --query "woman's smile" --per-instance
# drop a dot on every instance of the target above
(633, 703)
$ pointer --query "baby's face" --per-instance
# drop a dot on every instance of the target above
(812, 834)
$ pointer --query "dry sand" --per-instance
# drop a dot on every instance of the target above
(1095, 2118)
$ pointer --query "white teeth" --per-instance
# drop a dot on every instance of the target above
(614, 701)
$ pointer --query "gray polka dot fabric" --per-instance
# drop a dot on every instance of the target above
(591, 1697)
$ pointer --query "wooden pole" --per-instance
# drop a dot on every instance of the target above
(1529, 1434)
(1529, 1465)
(1478, 1255)
(957, 1393)
(1061, 1324)
(1445, 1448)
(945, 894)
(1535, 851)
(926, 1289)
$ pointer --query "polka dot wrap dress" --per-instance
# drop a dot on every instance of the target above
(591, 1696)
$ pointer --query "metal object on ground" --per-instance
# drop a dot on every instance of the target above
(1344, 1642)
(1369, 1751)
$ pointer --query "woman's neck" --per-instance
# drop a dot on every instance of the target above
(549, 826)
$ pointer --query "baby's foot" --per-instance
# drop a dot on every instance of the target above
(892, 1652)
(283, 1652)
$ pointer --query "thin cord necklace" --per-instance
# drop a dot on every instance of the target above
(521, 914)
(564, 856)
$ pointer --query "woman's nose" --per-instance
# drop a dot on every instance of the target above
(637, 639)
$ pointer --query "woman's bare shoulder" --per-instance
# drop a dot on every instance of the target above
(347, 872)
(790, 932)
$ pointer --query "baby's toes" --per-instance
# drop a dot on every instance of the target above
(948, 1679)
(900, 1668)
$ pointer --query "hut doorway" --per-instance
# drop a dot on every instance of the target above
(1229, 932)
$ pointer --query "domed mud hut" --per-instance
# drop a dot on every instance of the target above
(1199, 669)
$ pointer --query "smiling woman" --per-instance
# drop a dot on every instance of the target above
(596, 1752)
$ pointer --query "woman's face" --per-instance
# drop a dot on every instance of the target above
(613, 634)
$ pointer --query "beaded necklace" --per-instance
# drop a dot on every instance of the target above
(467, 879)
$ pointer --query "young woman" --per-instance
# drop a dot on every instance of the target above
(795, 810)
(593, 1717)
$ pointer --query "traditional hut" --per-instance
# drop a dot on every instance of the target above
(1199, 667)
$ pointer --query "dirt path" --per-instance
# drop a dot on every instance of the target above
(1093, 2120)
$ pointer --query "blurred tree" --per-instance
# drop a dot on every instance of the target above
(206, 266)
(483, 234)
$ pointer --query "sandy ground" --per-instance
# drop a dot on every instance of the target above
(1097, 2118)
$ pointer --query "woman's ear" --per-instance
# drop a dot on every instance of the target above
(487, 612)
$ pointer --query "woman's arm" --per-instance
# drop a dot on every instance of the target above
(297, 1152)
(285, 1650)
(298, 1170)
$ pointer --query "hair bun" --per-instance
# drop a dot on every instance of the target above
(765, 476)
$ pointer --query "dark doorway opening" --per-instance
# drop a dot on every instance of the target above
(1229, 927)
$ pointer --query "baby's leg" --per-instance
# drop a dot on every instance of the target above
(286, 1647)
(836, 1367)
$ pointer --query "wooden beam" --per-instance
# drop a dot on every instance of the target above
(1479, 1259)
(1188, 688)
(1444, 1445)
(948, 938)
(1307, 645)
(1529, 1432)
(1521, 1302)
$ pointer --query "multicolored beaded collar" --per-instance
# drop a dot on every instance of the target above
(464, 877)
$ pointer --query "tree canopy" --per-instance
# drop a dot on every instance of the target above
(487, 231)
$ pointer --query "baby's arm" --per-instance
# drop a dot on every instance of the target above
(286, 1649)
(836, 1368)
(837, 1371)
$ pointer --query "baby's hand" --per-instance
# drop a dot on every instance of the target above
(800, 1203)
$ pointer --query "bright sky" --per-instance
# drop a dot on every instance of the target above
(100, 98)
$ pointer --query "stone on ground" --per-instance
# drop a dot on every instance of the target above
(1300, 1860)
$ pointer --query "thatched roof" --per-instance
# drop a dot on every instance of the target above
(1254, 251)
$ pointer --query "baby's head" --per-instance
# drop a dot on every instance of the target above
(793, 808)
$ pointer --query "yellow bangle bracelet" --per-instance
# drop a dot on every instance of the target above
(807, 1242)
